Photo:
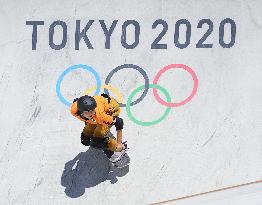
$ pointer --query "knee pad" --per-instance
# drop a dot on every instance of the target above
(85, 140)
(119, 124)
(108, 153)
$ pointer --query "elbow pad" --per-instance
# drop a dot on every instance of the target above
(119, 124)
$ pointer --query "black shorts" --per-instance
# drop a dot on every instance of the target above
(97, 142)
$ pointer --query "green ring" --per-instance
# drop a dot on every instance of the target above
(129, 100)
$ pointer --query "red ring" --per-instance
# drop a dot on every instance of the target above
(166, 68)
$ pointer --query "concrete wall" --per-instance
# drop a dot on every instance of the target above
(211, 142)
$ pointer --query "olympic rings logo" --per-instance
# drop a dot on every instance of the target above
(107, 86)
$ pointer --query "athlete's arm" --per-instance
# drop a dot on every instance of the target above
(119, 124)
(119, 136)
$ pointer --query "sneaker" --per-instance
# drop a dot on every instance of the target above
(117, 155)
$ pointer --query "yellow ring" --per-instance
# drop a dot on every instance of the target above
(109, 87)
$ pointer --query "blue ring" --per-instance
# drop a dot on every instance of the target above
(71, 68)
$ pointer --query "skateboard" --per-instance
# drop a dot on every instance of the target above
(124, 160)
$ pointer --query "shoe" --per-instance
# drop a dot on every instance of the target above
(117, 155)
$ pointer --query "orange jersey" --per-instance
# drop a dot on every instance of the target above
(101, 116)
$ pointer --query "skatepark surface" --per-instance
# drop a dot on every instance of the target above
(212, 142)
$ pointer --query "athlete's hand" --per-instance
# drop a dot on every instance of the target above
(119, 147)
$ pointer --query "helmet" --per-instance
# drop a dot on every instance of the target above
(86, 103)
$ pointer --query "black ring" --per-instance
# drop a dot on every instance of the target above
(140, 70)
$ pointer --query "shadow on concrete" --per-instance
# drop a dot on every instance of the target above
(88, 169)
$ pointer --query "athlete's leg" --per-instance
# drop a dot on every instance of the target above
(101, 131)
(87, 133)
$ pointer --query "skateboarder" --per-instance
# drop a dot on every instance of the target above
(100, 113)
